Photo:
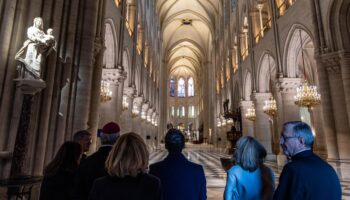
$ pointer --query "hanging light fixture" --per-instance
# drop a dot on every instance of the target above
(250, 115)
(218, 122)
(106, 93)
(307, 95)
(270, 107)
(135, 111)
(125, 102)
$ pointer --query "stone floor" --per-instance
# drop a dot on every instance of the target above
(209, 158)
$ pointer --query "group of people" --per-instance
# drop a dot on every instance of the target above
(305, 176)
(120, 170)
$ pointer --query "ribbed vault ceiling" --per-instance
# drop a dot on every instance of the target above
(187, 28)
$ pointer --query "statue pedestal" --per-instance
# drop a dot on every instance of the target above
(28, 88)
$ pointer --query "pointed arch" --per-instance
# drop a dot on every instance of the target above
(111, 43)
(248, 86)
(266, 72)
(300, 39)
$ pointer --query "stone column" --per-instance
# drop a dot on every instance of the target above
(126, 121)
(248, 126)
(289, 111)
(345, 73)
(324, 62)
(260, 6)
(262, 123)
(120, 89)
(84, 76)
(288, 89)
(28, 88)
(341, 118)
(95, 93)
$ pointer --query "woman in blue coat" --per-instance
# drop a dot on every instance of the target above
(249, 178)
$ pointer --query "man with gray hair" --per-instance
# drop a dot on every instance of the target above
(93, 167)
(307, 176)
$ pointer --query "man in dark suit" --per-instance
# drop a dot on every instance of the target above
(93, 167)
(180, 178)
(307, 176)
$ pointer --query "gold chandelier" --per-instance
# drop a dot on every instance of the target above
(270, 107)
(106, 93)
(125, 103)
(135, 111)
(250, 115)
(307, 95)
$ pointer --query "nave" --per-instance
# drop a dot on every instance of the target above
(209, 157)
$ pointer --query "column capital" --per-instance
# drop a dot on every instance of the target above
(114, 76)
(261, 96)
(331, 62)
(246, 104)
(286, 85)
(344, 55)
(129, 92)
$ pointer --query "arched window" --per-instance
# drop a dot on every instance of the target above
(181, 88)
(172, 87)
(190, 87)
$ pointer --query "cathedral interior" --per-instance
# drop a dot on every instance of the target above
(215, 69)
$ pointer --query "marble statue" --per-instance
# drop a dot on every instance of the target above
(38, 45)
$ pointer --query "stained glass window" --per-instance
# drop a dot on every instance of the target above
(190, 87)
(172, 87)
(181, 88)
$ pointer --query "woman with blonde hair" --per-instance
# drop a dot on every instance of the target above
(249, 178)
(127, 179)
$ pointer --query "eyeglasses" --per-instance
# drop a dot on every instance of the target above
(285, 138)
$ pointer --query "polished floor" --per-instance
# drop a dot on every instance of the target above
(209, 158)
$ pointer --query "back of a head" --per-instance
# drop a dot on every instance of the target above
(174, 141)
(67, 158)
(128, 157)
(249, 153)
(80, 135)
(302, 130)
(110, 133)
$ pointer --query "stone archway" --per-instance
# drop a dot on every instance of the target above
(300, 63)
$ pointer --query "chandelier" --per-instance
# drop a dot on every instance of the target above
(135, 111)
(125, 102)
(148, 118)
(270, 107)
(106, 93)
(307, 95)
(143, 115)
(218, 122)
(250, 115)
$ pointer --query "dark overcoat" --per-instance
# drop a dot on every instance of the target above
(92, 168)
(58, 186)
(143, 186)
(180, 178)
(309, 177)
